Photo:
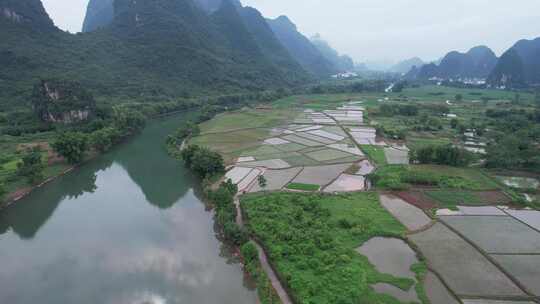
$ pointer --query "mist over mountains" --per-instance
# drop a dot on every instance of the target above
(519, 66)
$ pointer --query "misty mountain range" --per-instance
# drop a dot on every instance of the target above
(519, 66)
(159, 48)
(153, 48)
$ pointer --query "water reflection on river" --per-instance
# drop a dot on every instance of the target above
(125, 228)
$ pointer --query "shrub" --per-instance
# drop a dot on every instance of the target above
(32, 166)
(249, 252)
(202, 161)
(443, 155)
(71, 145)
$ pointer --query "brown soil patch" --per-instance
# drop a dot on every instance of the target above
(417, 198)
(493, 197)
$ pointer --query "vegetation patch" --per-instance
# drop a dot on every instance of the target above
(252, 264)
(246, 118)
(311, 241)
(395, 177)
(375, 153)
(451, 198)
(303, 187)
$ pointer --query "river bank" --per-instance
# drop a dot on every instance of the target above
(91, 221)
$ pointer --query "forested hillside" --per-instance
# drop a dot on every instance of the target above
(343, 63)
(478, 62)
(300, 47)
(519, 66)
(151, 48)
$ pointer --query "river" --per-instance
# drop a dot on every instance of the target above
(125, 228)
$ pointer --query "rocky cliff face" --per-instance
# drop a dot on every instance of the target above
(300, 47)
(62, 102)
(99, 14)
(26, 12)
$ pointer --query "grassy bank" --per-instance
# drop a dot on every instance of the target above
(311, 241)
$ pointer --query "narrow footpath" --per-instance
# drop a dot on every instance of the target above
(263, 258)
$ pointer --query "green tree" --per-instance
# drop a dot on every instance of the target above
(71, 145)
(249, 252)
(263, 183)
(386, 110)
(454, 123)
(32, 166)
(443, 155)
(458, 97)
(202, 161)
(103, 139)
(128, 121)
(188, 129)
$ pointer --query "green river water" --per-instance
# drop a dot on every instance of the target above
(126, 228)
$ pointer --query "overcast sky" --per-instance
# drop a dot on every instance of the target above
(375, 30)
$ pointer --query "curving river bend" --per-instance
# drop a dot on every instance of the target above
(125, 228)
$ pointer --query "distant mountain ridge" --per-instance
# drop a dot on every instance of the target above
(279, 39)
(343, 63)
(519, 66)
(98, 14)
(478, 62)
(406, 65)
(300, 47)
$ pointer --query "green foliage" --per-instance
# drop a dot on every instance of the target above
(223, 200)
(263, 183)
(179, 50)
(127, 120)
(314, 253)
(71, 145)
(31, 167)
(303, 187)
(375, 153)
(398, 109)
(398, 177)
(458, 97)
(265, 290)
(451, 199)
(104, 139)
(202, 161)
(186, 130)
(513, 151)
(442, 155)
(249, 252)
(454, 123)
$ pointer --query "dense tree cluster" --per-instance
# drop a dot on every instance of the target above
(442, 155)
(514, 135)
(202, 161)
(350, 87)
(398, 109)
(31, 167)
(71, 145)
(223, 201)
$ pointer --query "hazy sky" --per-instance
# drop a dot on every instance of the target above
(375, 30)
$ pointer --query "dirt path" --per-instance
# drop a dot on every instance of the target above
(276, 284)
(283, 296)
